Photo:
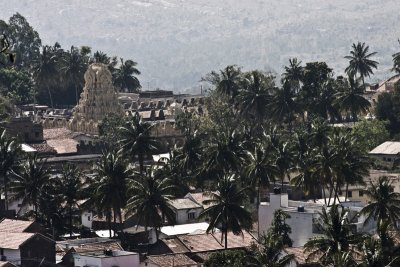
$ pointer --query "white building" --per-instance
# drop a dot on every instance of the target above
(186, 210)
(303, 217)
(107, 258)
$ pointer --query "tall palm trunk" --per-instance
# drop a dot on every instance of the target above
(70, 221)
(76, 95)
(141, 163)
(108, 217)
(50, 96)
(5, 191)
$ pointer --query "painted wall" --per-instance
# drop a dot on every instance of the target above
(13, 255)
(182, 215)
(120, 261)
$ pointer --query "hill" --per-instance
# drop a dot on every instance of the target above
(176, 42)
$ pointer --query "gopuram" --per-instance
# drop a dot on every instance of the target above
(98, 99)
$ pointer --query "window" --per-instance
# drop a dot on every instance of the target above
(361, 193)
(350, 194)
(88, 218)
(191, 215)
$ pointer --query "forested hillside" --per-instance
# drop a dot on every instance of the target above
(176, 42)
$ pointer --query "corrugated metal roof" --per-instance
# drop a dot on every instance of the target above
(387, 148)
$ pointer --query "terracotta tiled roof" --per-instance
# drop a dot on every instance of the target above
(14, 226)
(61, 139)
(210, 242)
(199, 243)
(43, 147)
(299, 255)
(184, 203)
(175, 245)
(200, 198)
(172, 260)
(13, 240)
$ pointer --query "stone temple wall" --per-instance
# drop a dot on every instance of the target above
(98, 99)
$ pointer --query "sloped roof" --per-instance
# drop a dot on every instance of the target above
(184, 203)
(200, 198)
(210, 242)
(6, 264)
(13, 240)
(14, 226)
(387, 148)
(175, 245)
(172, 260)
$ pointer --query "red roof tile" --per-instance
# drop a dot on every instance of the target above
(172, 260)
(14, 226)
(210, 242)
(13, 240)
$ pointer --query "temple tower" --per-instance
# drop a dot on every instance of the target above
(97, 100)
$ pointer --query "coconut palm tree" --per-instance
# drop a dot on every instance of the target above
(73, 66)
(227, 81)
(46, 70)
(269, 253)
(304, 165)
(354, 164)
(283, 106)
(350, 98)
(396, 61)
(9, 151)
(108, 186)
(149, 197)
(28, 182)
(284, 160)
(226, 211)
(294, 72)
(68, 187)
(260, 168)
(334, 237)
(375, 254)
(224, 154)
(360, 62)
(124, 77)
(255, 95)
(384, 203)
(136, 140)
(189, 155)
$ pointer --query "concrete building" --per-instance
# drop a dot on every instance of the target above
(107, 258)
(304, 216)
(386, 153)
(186, 210)
(27, 249)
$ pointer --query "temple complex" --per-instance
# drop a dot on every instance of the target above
(98, 99)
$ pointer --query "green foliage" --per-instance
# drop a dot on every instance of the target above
(279, 229)
(360, 62)
(109, 128)
(6, 109)
(16, 85)
(149, 197)
(226, 258)
(29, 181)
(23, 39)
(226, 210)
(388, 109)
(269, 253)
(370, 134)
